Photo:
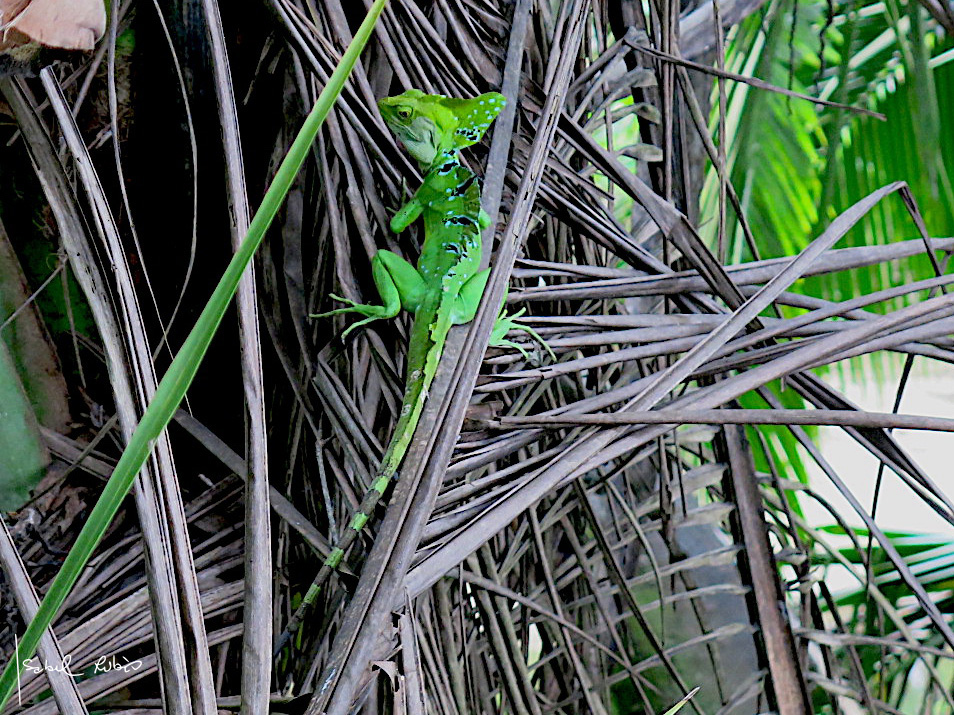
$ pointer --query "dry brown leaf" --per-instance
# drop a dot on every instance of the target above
(63, 24)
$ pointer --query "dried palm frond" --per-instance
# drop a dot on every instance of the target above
(594, 534)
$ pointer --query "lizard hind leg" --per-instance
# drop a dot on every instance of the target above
(468, 298)
(465, 308)
(505, 323)
(398, 283)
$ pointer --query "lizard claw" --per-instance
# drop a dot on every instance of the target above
(370, 313)
(505, 323)
(336, 311)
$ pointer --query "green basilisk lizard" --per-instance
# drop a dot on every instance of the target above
(446, 287)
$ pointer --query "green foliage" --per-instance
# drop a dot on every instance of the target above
(898, 673)
(797, 166)
(775, 143)
(31, 391)
(776, 445)
(930, 556)
(23, 458)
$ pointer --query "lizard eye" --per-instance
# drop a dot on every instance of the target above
(403, 113)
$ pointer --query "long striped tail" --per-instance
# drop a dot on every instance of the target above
(427, 336)
(360, 518)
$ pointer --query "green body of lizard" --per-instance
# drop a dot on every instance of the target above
(446, 287)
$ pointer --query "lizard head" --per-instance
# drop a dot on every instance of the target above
(430, 125)
(420, 122)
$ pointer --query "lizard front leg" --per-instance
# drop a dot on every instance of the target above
(407, 214)
(398, 283)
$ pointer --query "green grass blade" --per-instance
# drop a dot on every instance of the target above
(678, 706)
(179, 376)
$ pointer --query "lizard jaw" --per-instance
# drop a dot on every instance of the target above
(423, 148)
